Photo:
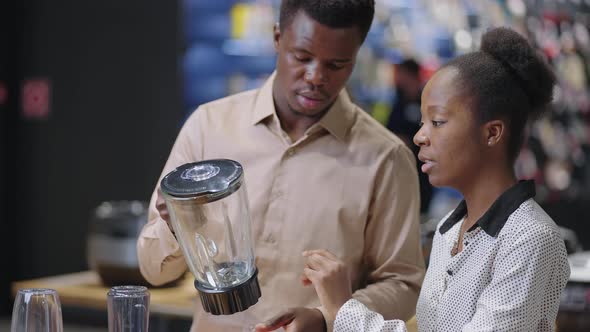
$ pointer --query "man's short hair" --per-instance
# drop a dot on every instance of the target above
(332, 13)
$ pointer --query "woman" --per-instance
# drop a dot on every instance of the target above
(498, 262)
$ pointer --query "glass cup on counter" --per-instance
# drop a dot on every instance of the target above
(128, 309)
(36, 310)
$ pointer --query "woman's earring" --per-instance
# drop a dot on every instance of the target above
(490, 143)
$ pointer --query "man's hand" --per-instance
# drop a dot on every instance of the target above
(330, 278)
(163, 209)
(295, 320)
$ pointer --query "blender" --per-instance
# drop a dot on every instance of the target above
(209, 212)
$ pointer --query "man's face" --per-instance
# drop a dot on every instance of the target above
(314, 62)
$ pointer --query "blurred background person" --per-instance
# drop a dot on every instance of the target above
(404, 117)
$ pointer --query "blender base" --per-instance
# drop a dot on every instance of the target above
(230, 300)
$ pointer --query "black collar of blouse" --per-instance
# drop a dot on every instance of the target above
(495, 217)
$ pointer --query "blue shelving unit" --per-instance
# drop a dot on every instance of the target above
(213, 58)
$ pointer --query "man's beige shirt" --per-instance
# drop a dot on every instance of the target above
(348, 186)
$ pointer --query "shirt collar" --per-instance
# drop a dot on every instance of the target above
(264, 105)
(496, 216)
(337, 121)
(340, 117)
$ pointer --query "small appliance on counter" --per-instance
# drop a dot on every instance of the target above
(112, 238)
(574, 309)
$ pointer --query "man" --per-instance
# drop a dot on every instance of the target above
(320, 173)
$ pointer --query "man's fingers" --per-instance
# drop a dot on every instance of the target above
(161, 207)
(321, 252)
(305, 280)
(318, 262)
(311, 275)
(263, 328)
(276, 322)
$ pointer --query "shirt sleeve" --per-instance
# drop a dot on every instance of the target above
(356, 317)
(392, 252)
(528, 277)
(160, 257)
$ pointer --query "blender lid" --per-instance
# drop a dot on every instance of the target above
(206, 181)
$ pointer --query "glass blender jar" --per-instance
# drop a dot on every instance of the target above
(208, 207)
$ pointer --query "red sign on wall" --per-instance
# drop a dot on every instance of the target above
(36, 97)
(3, 93)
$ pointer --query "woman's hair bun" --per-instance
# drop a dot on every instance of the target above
(529, 68)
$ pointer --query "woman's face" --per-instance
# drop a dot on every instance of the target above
(451, 140)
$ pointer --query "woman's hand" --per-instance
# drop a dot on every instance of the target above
(330, 278)
(295, 320)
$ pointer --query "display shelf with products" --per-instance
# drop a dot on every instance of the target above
(229, 49)
(434, 31)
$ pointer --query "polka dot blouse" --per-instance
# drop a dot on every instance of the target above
(508, 277)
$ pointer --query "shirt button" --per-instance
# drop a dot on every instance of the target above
(278, 194)
(290, 152)
(270, 239)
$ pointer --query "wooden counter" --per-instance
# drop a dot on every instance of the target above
(85, 290)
